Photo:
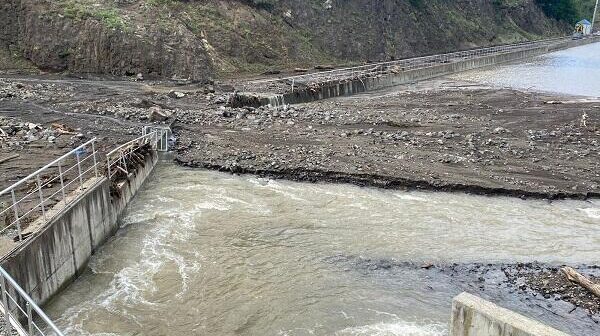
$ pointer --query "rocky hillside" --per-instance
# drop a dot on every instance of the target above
(200, 39)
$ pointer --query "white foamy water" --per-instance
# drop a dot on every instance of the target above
(396, 329)
(205, 253)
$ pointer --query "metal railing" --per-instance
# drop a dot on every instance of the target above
(406, 64)
(119, 158)
(32, 197)
(163, 135)
(20, 314)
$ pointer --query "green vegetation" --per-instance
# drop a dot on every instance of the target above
(80, 11)
(569, 11)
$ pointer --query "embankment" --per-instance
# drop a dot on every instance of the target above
(54, 256)
(360, 84)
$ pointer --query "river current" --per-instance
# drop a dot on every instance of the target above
(207, 253)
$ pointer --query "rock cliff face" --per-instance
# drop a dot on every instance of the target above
(203, 39)
(363, 29)
(54, 41)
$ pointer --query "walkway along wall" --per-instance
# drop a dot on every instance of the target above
(354, 86)
(55, 255)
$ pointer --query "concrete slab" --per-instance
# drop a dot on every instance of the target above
(474, 316)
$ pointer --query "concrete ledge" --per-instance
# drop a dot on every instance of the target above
(59, 250)
(474, 316)
(348, 87)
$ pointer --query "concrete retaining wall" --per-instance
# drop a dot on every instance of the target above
(350, 87)
(54, 256)
(474, 316)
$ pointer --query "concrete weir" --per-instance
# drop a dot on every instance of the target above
(360, 84)
(57, 253)
(474, 316)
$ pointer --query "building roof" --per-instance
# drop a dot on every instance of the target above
(584, 22)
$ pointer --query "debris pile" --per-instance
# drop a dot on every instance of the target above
(15, 133)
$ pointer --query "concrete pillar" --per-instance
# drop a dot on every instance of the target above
(474, 316)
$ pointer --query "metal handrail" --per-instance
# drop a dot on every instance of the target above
(30, 176)
(12, 322)
(117, 158)
(21, 308)
(417, 60)
(20, 206)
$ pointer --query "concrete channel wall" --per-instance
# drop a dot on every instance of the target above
(349, 87)
(474, 316)
(55, 255)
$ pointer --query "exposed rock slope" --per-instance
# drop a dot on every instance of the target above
(201, 39)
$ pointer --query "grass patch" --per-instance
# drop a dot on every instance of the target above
(77, 10)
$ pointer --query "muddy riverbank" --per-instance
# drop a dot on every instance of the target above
(439, 135)
(444, 136)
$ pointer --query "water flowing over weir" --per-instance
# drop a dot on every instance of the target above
(205, 253)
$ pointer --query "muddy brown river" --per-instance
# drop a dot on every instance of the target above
(206, 253)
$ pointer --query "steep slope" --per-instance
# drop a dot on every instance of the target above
(201, 39)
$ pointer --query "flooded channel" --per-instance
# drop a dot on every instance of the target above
(206, 253)
(572, 71)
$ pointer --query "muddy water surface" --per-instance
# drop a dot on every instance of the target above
(205, 253)
(572, 71)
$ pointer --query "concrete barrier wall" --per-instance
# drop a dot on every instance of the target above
(54, 256)
(474, 316)
(355, 86)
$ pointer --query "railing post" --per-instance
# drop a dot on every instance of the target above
(16, 210)
(166, 140)
(7, 328)
(39, 183)
(95, 163)
(29, 319)
(62, 181)
(124, 163)
(108, 165)
(79, 169)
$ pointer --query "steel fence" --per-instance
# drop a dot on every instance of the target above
(20, 314)
(406, 64)
(119, 158)
(33, 196)
(37, 195)
(163, 136)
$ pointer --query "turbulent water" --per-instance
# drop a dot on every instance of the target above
(205, 253)
(572, 71)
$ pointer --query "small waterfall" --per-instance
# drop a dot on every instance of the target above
(277, 101)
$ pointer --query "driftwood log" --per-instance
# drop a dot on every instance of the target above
(573, 276)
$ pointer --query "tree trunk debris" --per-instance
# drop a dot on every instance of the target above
(573, 276)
